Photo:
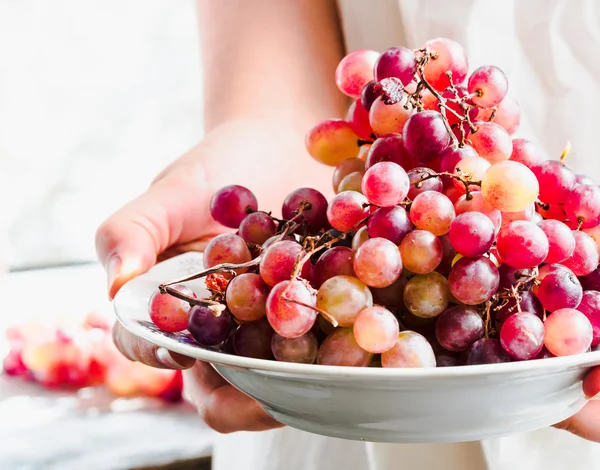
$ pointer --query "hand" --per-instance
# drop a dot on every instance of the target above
(172, 217)
(586, 423)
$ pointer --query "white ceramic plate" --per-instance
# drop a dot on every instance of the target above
(449, 404)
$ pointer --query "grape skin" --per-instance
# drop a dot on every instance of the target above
(432, 211)
(376, 329)
(391, 223)
(509, 186)
(427, 295)
(301, 350)
(458, 328)
(341, 349)
(473, 280)
(287, 318)
(568, 332)
(522, 244)
(410, 350)
(491, 142)
(590, 307)
(169, 313)
(421, 251)
(343, 298)
(522, 336)
(385, 184)
(355, 70)
(227, 248)
(377, 262)
(229, 205)
(347, 209)
(332, 141)
(246, 297)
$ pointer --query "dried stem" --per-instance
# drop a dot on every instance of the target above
(328, 317)
(462, 178)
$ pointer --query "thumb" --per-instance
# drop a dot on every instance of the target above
(174, 210)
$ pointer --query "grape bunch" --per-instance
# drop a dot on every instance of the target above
(448, 242)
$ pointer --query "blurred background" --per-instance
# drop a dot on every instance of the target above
(95, 98)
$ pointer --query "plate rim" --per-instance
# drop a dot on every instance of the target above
(537, 366)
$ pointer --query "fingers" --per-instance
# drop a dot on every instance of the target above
(591, 383)
(222, 407)
(173, 211)
(139, 350)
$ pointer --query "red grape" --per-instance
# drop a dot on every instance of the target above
(591, 281)
(425, 135)
(302, 349)
(471, 234)
(334, 262)
(568, 332)
(487, 351)
(287, 317)
(432, 211)
(396, 62)
(522, 244)
(358, 117)
(473, 280)
(246, 297)
(430, 184)
(389, 148)
(555, 181)
(253, 339)
(560, 239)
(314, 214)
(376, 329)
(477, 203)
(526, 152)
(207, 328)
(332, 141)
(351, 165)
(585, 257)
(346, 210)
(583, 205)
(458, 328)
(369, 93)
(343, 297)
(528, 302)
(278, 261)
(391, 223)
(450, 56)
(227, 248)
(507, 115)
(410, 350)
(169, 313)
(489, 84)
(491, 142)
(341, 349)
(355, 70)
(257, 228)
(427, 295)
(385, 184)
(509, 186)
(421, 251)
(361, 236)
(590, 307)
(387, 118)
(377, 262)
(522, 336)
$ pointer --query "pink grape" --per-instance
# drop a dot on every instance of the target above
(257, 228)
(361, 236)
(354, 71)
(421, 251)
(334, 262)
(568, 332)
(594, 232)
(396, 62)
(227, 248)
(528, 302)
(253, 339)
(302, 349)
(427, 295)
(246, 297)
(585, 257)
(449, 160)
(315, 216)
(547, 269)
(385, 184)
(489, 84)
(560, 290)
(556, 181)
(472, 234)
(458, 328)
(432, 184)
(522, 336)
(368, 95)
(358, 117)
(391, 223)
(526, 214)
(389, 118)
(508, 114)
(509, 186)
(477, 203)
(389, 148)
(347, 209)
(487, 351)
(208, 329)
(351, 165)
(432, 211)
(343, 298)
(376, 329)
(526, 152)
(341, 349)
(452, 57)
(278, 261)
(560, 239)
(410, 350)
(473, 280)
(583, 204)
(377, 262)
(288, 318)
(471, 168)
(230, 205)
(590, 307)
(491, 142)
(425, 135)
(522, 244)
(332, 141)
(169, 313)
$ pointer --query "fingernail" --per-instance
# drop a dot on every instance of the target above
(113, 269)
(165, 357)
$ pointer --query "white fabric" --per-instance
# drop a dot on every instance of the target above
(550, 51)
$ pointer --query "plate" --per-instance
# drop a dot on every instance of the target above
(450, 404)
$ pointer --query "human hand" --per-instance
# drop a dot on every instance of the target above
(586, 423)
(172, 217)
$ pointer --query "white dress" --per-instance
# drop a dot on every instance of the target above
(550, 51)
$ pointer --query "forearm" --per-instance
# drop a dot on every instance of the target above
(271, 60)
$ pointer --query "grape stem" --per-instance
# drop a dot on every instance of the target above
(463, 178)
